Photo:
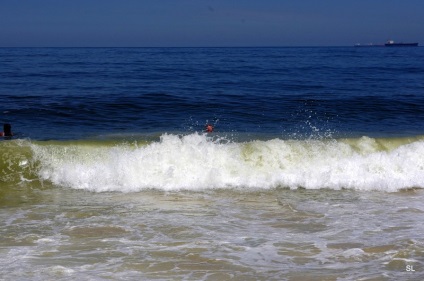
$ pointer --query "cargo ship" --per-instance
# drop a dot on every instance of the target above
(392, 43)
(389, 43)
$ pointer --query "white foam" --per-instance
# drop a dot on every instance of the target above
(196, 162)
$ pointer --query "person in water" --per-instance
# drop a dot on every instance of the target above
(7, 131)
(209, 128)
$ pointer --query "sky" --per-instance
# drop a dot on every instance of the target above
(208, 23)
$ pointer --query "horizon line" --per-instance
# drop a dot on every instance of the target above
(277, 46)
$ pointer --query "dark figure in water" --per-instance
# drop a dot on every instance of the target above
(209, 128)
(7, 131)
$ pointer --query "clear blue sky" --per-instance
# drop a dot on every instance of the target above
(144, 23)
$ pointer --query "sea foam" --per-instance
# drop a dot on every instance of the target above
(199, 162)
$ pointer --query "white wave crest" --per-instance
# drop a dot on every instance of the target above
(196, 162)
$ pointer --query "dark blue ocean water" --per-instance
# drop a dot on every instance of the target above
(72, 93)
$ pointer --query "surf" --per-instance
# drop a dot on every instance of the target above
(198, 162)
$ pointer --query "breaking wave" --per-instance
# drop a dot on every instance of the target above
(198, 162)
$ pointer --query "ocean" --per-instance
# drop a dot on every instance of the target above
(314, 170)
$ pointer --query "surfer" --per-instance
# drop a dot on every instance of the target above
(209, 128)
(7, 131)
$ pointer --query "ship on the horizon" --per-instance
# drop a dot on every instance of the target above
(389, 43)
(392, 43)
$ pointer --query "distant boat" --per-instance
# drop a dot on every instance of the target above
(389, 43)
(392, 43)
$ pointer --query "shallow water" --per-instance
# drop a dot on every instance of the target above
(215, 235)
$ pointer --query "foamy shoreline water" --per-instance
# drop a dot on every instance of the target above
(265, 235)
(168, 219)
